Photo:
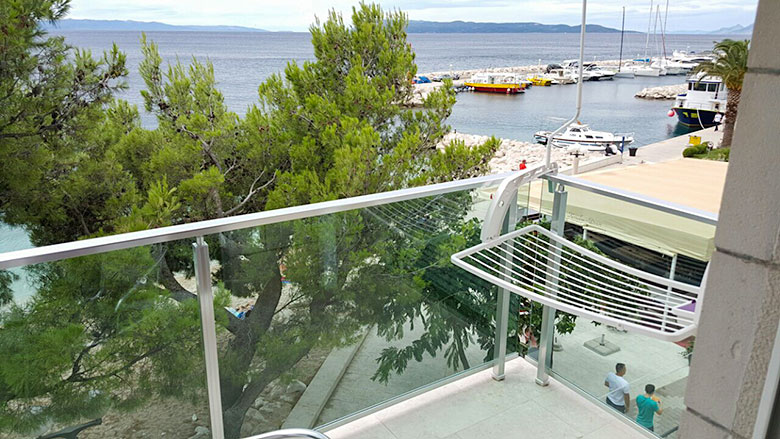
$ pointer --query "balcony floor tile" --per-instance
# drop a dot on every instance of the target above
(477, 407)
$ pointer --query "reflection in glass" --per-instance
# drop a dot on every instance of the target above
(371, 288)
(101, 338)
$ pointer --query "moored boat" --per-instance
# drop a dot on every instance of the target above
(704, 99)
(580, 134)
(540, 81)
(507, 83)
(559, 75)
(602, 72)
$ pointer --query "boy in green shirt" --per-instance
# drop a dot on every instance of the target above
(647, 405)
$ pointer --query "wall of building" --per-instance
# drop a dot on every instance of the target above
(741, 310)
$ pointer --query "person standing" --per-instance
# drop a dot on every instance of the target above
(522, 165)
(647, 406)
(718, 118)
(618, 397)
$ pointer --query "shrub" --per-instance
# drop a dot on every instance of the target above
(695, 150)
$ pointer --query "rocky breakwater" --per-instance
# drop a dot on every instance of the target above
(421, 91)
(532, 69)
(512, 152)
(663, 92)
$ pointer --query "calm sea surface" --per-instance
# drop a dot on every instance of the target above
(243, 60)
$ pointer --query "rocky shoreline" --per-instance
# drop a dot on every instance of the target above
(512, 152)
(663, 92)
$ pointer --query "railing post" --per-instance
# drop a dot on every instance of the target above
(208, 325)
(547, 335)
(502, 306)
(667, 307)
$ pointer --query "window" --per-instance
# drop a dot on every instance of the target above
(712, 87)
(700, 87)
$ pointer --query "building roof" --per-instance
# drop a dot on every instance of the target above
(689, 182)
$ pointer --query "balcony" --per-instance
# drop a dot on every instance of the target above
(481, 408)
(348, 316)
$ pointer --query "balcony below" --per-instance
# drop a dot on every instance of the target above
(480, 408)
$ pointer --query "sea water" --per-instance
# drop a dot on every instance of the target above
(243, 60)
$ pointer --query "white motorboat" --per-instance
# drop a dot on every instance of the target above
(642, 69)
(580, 134)
(587, 75)
(604, 73)
(560, 76)
(705, 98)
(672, 67)
(692, 57)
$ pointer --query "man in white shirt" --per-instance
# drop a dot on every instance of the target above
(718, 118)
(618, 396)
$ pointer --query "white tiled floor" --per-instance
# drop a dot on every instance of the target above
(477, 407)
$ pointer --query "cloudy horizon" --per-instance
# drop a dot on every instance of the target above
(280, 15)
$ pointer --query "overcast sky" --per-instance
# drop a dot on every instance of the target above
(296, 15)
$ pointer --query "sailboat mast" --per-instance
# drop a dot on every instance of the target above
(663, 29)
(649, 22)
(622, 29)
(655, 28)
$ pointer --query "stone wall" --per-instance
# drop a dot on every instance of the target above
(741, 309)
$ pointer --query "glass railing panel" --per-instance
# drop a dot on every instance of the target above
(334, 314)
(657, 242)
(102, 338)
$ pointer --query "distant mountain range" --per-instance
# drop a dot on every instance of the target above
(470, 27)
(415, 27)
(140, 26)
(731, 30)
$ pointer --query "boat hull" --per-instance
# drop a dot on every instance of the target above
(647, 72)
(495, 88)
(541, 137)
(693, 117)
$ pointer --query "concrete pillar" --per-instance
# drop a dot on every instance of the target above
(741, 306)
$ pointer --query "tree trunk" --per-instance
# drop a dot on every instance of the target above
(241, 349)
(464, 361)
(179, 293)
(233, 415)
(732, 102)
(234, 412)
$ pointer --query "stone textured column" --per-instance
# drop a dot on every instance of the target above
(741, 307)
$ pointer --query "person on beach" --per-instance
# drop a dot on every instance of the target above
(648, 405)
(522, 165)
(618, 397)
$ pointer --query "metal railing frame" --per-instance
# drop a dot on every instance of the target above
(203, 273)
(123, 241)
(291, 433)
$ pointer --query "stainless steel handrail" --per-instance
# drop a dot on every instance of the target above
(172, 233)
(635, 198)
(165, 234)
(291, 433)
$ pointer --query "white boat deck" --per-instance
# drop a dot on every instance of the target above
(477, 407)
